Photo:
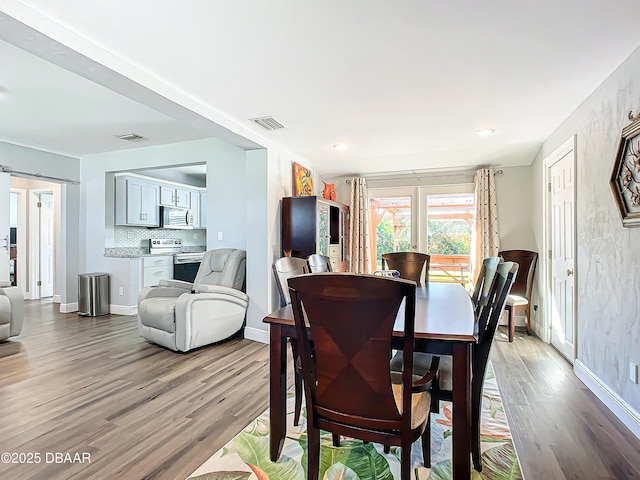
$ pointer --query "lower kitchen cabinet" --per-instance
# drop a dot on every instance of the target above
(156, 268)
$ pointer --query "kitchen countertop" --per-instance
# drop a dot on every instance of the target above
(136, 252)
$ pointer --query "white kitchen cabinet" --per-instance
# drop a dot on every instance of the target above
(173, 196)
(156, 268)
(195, 208)
(136, 202)
(203, 210)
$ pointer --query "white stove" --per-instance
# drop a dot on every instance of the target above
(165, 246)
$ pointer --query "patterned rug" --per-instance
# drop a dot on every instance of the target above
(246, 456)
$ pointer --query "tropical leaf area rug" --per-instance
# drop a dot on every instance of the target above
(246, 456)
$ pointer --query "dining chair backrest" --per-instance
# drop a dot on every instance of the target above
(351, 318)
(524, 280)
(318, 263)
(484, 282)
(505, 276)
(349, 387)
(409, 264)
(283, 269)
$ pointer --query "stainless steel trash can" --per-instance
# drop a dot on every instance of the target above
(93, 294)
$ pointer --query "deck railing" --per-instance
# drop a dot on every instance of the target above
(450, 269)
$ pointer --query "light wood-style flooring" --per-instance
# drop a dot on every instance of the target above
(91, 385)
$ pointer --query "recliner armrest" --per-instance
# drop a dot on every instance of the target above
(177, 284)
(16, 300)
(149, 292)
(224, 290)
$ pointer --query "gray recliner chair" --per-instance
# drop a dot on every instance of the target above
(182, 316)
(11, 310)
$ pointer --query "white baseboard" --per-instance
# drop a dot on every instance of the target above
(257, 335)
(57, 298)
(621, 409)
(68, 307)
(123, 309)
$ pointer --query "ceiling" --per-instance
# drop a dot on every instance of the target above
(405, 85)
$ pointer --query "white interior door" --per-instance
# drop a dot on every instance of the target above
(5, 191)
(46, 244)
(562, 241)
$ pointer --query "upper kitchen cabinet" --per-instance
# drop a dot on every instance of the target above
(136, 202)
(203, 210)
(195, 208)
(173, 196)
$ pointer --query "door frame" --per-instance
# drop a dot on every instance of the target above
(566, 148)
(34, 240)
(22, 251)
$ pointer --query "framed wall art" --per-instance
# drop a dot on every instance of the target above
(625, 178)
(302, 181)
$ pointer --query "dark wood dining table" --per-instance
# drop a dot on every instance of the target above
(444, 324)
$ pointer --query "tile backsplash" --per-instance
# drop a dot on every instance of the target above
(138, 237)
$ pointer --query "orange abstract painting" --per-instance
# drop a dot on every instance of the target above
(302, 181)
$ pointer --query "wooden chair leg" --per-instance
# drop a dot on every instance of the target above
(512, 321)
(405, 461)
(476, 453)
(336, 439)
(297, 380)
(528, 320)
(426, 444)
(386, 448)
(297, 383)
(313, 453)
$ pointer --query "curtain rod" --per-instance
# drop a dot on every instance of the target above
(408, 176)
(18, 173)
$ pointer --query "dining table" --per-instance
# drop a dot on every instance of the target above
(445, 324)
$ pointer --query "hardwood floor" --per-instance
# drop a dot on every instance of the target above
(80, 384)
(91, 385)
(560, 429)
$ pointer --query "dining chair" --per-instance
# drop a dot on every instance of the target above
(318, 263)
(482, 286)
(409, 264)
(349, 388)
(283, 269)
(442, 389)
(520, 297)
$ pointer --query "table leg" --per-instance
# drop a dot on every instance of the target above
(461, 411)
(277, 390)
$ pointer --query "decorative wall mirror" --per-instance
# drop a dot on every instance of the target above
(625, 178)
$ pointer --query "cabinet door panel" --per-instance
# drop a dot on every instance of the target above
(134, 203)
(150, 208)
(167, 195)
(183, 198)
(203, 210)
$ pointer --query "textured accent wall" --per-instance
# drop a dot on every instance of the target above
(608, 255)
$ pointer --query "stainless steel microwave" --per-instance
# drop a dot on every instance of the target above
(178, 218)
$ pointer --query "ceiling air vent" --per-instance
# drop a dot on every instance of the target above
(268, 123)
(131, 137)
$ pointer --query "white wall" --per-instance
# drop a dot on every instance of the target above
(226, 203)
(35, 161)
(608, 255)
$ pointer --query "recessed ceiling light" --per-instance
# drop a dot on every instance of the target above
(484, 132)
(341, 146)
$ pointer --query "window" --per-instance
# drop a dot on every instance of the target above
(433, 219)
